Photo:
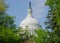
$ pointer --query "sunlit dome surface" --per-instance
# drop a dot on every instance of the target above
(29, 22)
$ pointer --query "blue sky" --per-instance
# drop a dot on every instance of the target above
(18, 8)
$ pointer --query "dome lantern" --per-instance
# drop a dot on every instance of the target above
(29, 5)
(29, 10)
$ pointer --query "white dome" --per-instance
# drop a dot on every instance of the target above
(29, 22)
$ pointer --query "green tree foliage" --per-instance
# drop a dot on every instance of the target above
(7, 35)
(3, 6)
(41, 36)
(7, 26)
(53, 17)
(53, 20)
(5, 19)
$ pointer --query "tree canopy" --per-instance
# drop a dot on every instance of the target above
(7, 26)
(53, 20)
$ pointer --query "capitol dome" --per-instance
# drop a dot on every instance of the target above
(29, 23)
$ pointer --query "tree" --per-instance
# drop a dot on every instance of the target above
(3, 6)
(53, 20)
(6, 35)
(41, 36)
(7, 26)
(53, 14)
(5, 19)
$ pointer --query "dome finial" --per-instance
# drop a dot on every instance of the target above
(30, 4)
